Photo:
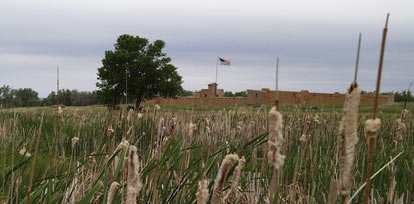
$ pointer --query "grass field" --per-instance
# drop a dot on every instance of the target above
(179, 146)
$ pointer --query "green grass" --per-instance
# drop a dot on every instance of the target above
(185, 160)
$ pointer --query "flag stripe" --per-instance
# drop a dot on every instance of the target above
(224, 62)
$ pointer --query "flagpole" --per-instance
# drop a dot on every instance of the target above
(217, 68)
(277, 77)
(126, 86)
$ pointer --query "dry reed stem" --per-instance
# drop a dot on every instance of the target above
(221, 177)
(348, 139)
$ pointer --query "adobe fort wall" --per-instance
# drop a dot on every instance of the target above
(215, 97)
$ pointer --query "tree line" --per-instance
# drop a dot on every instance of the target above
(27, 97)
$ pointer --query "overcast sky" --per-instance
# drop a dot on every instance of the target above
(315, 40)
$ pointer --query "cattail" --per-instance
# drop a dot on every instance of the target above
(348, 139)
(110, 129)
(274, 141)
(208, 130)
(130, 114)
(275, 138)
(371, 128)
(159, 141)
(191, 128)
(60, 111)
(91, 160)
(74, 141)
(111, 192)
(401, 127)
(232, 195)
(316, 118)
(157, 107)
(123, 144)
(221, 177)
(202, 193)
(134, 185)
(24, 153)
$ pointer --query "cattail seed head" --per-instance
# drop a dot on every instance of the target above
(111, 192)
(24, 153)
(202, 193)
(74, 141)
(275, 138)
(371, 127)
(348, 139)
(60, 111)
(134, 184)
(227, 163)
(232, 195)
(130, 114)
(123, 144)
(110, 129)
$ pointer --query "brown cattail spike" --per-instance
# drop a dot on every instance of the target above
(134, 185)
(274, 141)
(348, 139)
(227, 163)
(202, 193)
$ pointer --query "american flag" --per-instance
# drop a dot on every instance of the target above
(224, 62)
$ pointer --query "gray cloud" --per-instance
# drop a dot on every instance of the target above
(316, 41)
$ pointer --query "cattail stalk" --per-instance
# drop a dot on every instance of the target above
(371, 134)
(275, 140)
(348, 139)
(227, 163)
(34, 159)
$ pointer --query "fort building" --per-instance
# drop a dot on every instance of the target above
(212, 96)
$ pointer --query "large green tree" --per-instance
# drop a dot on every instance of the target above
(141, 65)
(6, 96)
(26, 97)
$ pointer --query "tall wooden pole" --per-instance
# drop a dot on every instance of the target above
(357, 59)
(217, 63)
(57, 121)
(371, 142)
(126, 86)
(215, 89)
(277, 82)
